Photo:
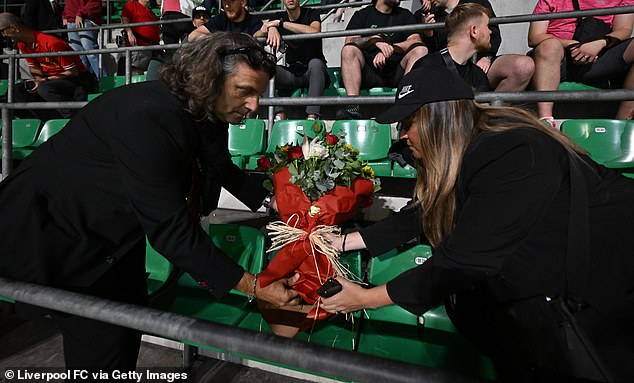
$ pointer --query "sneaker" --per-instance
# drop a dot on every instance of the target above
(349, 113)
(279, 116)
(549, 121)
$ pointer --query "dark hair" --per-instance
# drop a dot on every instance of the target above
(198, 69)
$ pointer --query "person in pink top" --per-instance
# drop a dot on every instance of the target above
(84, 14)
(601, 61)
(138, 11)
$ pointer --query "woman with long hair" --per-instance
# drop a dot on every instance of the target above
(513, 210)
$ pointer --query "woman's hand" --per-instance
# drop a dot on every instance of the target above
(351, 298)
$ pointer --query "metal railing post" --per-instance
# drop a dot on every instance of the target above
(271, 109)
(128, 66)
(7, 122)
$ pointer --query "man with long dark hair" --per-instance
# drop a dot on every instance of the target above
(84, 202)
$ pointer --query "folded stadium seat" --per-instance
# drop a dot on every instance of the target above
(286, 132)
(50, 128)
(371, 139)
(336, 331)
(158, 270)
(430, 340)
(609, 142)
(243, 244)
(246, 139)
(25, 131)
(567, 85)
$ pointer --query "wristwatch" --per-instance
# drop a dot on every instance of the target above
(280, 25)
(267, 200)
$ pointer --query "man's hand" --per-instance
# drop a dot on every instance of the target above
(379, 60)
(588, 53)
(425, 5)
(131, 38)
(386, 48)
(279, 293)
(79, 22)
(273, 39)
(428, 18)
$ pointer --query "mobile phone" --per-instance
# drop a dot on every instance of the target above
(330, 288)
(29, 85)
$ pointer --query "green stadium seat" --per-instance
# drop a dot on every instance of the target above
(110, 82)
(4, 87)
(50, 128)
(431, 340)
(609, 142)
(568, 85)
(407, 171)
(158, 270)
(92, 96)
(287, 132)
(25, 133)
(245, 245)
(246, 139)
(371, 139)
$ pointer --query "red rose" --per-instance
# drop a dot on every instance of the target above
(295, 152)
(331, 139)
(264, 163)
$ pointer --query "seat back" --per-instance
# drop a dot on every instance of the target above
(291, 132)
(245, 245)
(391, 264)
(25, 132)
(246, 138)
(609, 142)
(371, 139)
(157, 267)
(50, 128)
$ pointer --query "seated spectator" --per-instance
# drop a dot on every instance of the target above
(174, 10)
(305, 61)
(58, 78)
(380, 59)
(467, 32)
(235, 18)
(84, 14)
(138, 11)
(200, 15)
(559, 57)
(506, 73)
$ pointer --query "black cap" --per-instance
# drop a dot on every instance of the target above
(432, 83)
(200, 9)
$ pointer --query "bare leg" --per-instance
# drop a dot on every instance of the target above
(548, 55)
(412, 56)
(510, 73)
(284, 321)
(352, 62)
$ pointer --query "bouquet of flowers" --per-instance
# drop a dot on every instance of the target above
(318, 184)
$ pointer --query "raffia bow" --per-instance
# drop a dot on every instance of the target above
(282, 234)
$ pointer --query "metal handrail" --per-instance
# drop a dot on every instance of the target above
(306, 356)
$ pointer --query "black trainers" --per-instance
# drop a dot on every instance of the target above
(351, 112)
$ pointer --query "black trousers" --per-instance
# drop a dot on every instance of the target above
(74, 88)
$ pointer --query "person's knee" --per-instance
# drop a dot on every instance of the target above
(414, 55)
(350, 54)
(523, 68)
(549, 50)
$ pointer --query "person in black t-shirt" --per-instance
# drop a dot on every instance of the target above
(235, 18)
(379, 59)
(468, 32)
(305, 61)
(510, 72)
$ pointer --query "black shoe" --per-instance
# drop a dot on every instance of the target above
(349, 113)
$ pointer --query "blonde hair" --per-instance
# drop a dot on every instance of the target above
(445, 130)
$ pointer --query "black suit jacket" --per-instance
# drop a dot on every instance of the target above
(510, 234)
(120, 169)
(40, 15)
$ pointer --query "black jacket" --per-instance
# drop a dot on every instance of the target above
(510, 234)
(120, 169)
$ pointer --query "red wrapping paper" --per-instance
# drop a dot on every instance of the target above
(336, 207)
